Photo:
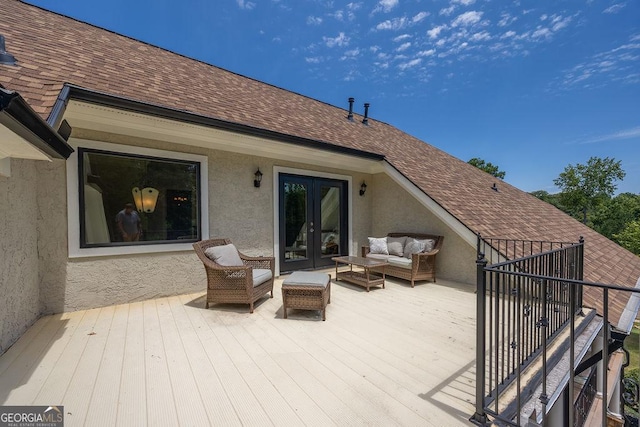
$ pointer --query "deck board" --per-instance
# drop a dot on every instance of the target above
(132, 397)
(394, 356)
(103, 405)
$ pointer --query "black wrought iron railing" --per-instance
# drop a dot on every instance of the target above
(529, 294)
(524, 302)
(585, 399)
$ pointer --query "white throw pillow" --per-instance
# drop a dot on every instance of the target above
(378, 245)
(225, 255)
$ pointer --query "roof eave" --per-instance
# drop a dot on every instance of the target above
(70, 91)
(18, 117)
(625, 324)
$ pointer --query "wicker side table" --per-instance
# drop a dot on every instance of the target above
(306, 291)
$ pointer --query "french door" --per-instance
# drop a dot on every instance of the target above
(313, 221)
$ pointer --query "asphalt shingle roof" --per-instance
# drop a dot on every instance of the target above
(53, 50)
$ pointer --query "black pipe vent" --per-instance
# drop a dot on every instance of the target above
(350, 115)
(365, 120)
(5, 57)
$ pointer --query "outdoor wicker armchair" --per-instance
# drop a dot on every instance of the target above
(236, 284)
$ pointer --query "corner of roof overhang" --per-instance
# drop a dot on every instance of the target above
(19, 118)
(630, 312)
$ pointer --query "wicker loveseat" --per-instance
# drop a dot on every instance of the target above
(244, 283)
(410, 266)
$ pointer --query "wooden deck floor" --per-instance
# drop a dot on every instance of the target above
(394, 356)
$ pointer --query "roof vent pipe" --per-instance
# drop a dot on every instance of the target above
(5, 57)
(350, 116)
(365, 120)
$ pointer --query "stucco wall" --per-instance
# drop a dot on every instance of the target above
(237, 210)
(19, 306)
(396, 211)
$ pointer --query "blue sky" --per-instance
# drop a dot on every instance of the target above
(531, 86)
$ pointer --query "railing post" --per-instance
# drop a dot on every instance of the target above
(544, 324)
(480, 416)
(580, 275)
(605, 355)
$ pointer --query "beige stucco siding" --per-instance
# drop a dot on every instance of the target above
(237, 210)
(19, 304)
(395, 210)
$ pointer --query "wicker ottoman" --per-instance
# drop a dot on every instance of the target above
(306, 291)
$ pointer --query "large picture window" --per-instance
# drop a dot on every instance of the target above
(129, 199)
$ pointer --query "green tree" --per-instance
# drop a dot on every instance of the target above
(612, 216)
(629, 237)
(583, 187)
(552, 199)
(488, 167)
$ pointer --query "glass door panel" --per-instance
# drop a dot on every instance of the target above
(330, 220)
(295, 213)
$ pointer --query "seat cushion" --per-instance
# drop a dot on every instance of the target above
(395, 245)
(400, 262)
(378, 245)
(380, 256)
(307, 278)
(225, 255)
(261, 275)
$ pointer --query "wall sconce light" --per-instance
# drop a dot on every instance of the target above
(363, 188)
(257, 178)
(145, 199)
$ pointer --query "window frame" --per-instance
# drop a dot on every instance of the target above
(76, 250)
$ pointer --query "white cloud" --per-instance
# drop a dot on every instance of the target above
(619, 64)
(623, 134)
(467, 18)
(429, 52)
(481, 36)
(543, 17)
(248, 5)
(463, 2)
(392, 24)
(419, 17)
(614, 8)
(354, 6)
(351, 54)
(374, 48)
(403, 47)
(541, 33)
(558, 22)
(506, 19)
(406, 65)
(385, 5)
(340, 40)
(447, 10)
(338, 14)
(435, 31)
(508, 34)
(384, 56)
(313, 60)
(314, 20)
(401, 37)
